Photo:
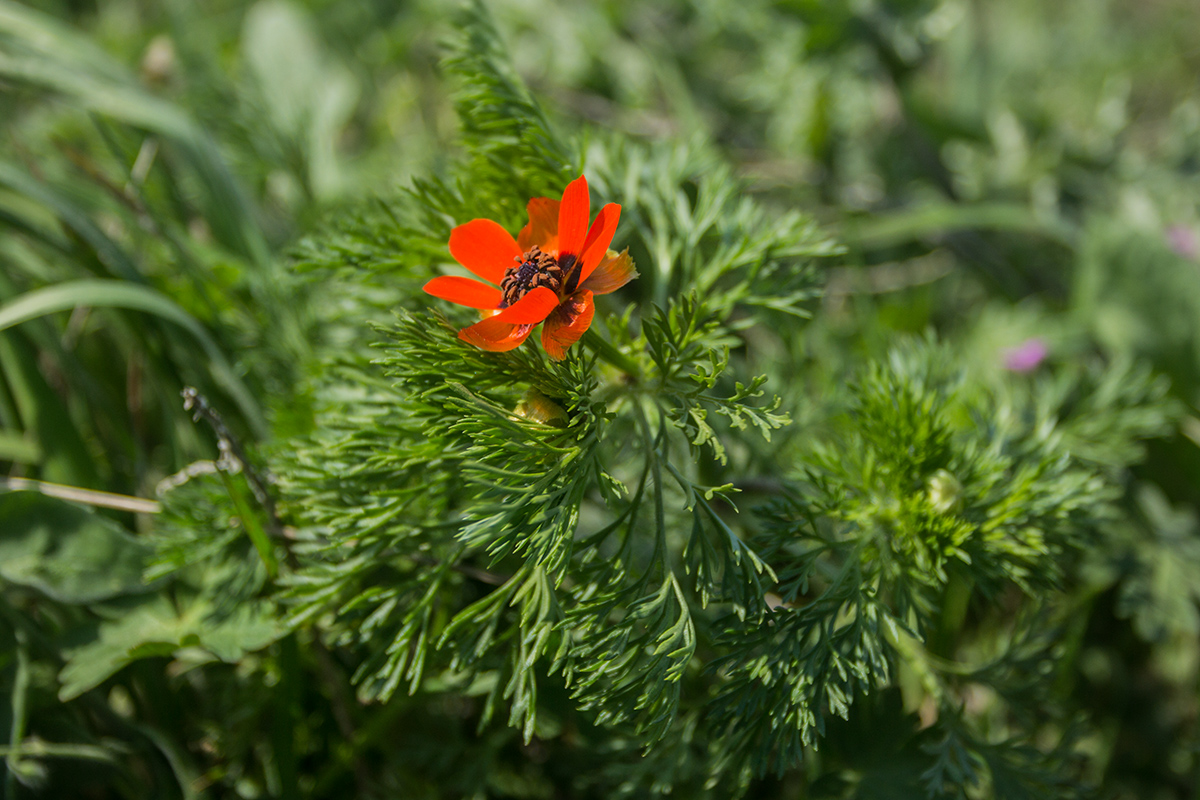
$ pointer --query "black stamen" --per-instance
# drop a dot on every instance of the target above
(533, 269)
(567, 262)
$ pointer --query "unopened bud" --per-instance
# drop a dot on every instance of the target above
(539, 408)
(944, 491)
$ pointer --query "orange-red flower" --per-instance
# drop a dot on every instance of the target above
(548, 274)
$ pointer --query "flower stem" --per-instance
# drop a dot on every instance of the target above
(608, 352)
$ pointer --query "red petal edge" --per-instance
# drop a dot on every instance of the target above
(599, 237)
(464, 291)
(613, 272)
(573, 216)
(567, 323)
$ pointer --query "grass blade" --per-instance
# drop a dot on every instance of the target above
(119, 294)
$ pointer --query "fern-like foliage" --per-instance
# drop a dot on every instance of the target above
(932, 483)
(460, 529)
(564, 539)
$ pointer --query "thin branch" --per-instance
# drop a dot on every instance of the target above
(230, 446)
(91, 497)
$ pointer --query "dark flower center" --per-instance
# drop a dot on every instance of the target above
(534, 269)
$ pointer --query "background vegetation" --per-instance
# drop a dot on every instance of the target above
(949, 547)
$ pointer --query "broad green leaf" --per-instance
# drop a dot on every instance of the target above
(67, 552)
(152, 626)
(245, 630)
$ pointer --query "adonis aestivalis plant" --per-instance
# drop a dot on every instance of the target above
(547, 275)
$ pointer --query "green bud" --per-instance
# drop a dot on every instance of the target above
(945, 491)
(539, 408)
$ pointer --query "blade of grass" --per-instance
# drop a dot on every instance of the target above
(118, 294)
(66, 457)
(107, 251)
(45, 35)
(20, 700)
(15, 447)
(254, 529)
(108, 90)
(38, 749)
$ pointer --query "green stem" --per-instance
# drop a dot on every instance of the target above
(19, 701)
(609, 353)
(36, 749)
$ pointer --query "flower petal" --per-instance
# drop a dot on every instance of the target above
(598, 239)
(507, 329)
(567, 323)
(532, 308)
(485, 248)
(573, 217)
(602, 230)
(495, 336)
(464, 291)
(613, 272)
(542, 229)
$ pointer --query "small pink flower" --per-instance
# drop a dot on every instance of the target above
(1026, 356)
(1183, 241)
